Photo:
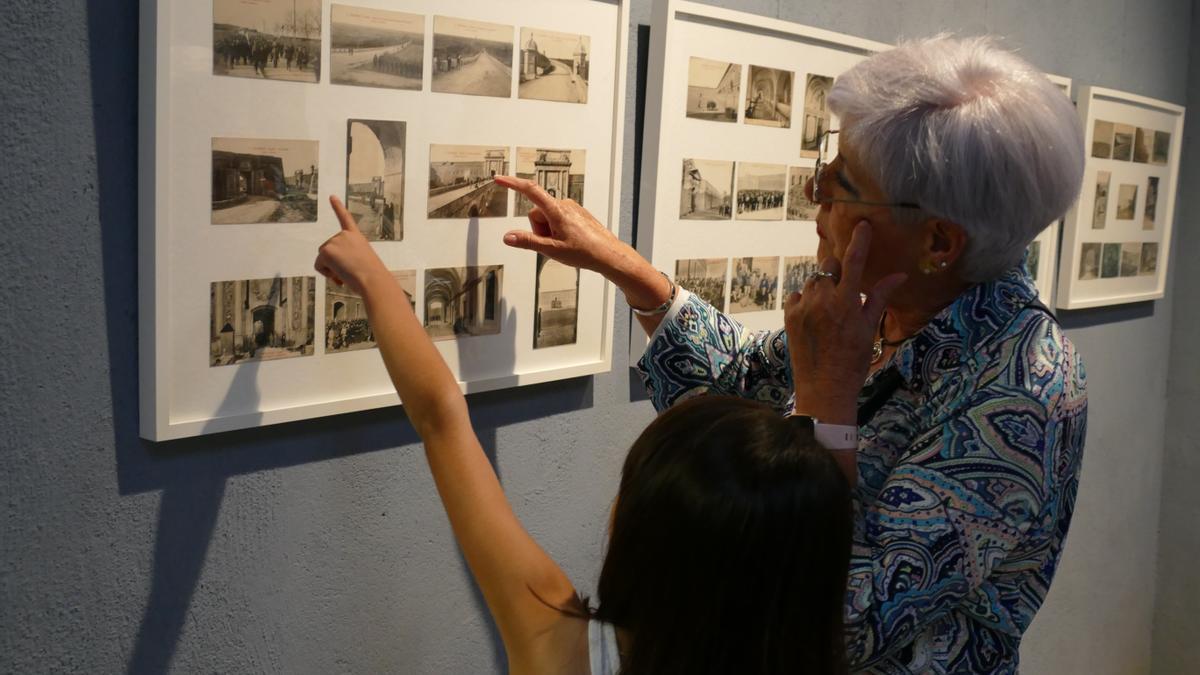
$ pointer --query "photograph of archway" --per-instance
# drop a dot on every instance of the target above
(714, 90)
(557, 319)
(375, 177)
(461, 181)
(463, 301)
(346, 324)
(760, 191)
(816, 113)
(256, 180)
(704, 277)
(267, 39)
(261, 319)
(376, 48)
(799, 208)
(706, 190)
(769, 97)
(472, 57)
(559, 172)
(554, 66)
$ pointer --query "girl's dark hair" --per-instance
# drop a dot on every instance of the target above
(730, 545)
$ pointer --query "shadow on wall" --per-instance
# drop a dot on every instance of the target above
(191, 474)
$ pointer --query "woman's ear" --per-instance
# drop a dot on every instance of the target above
(945, 243)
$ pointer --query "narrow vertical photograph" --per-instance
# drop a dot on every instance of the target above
(755, 285)
(346, 326)
(472, 57)
(1102, 139)
(714, 90)
(559, 172)
(554, 66)
(1149, 263)
(1110, 261)
(760, 191)
(1131, 258)
(267, 39)
(706, 191)
(556, 322)
(704, 277)
(261, 319)
(796, 271)
(260, 180)
(1123, 142)
(817, 117)
(376, 48)
(1162, 148)
(1126, 202)
(1143, 145)
(769, 97)
(462, 181)
(1089, 262)
(1100, 202)
(798, 206)
(463, 301)
(1150, 212)
(375, 177)
(1033, 259)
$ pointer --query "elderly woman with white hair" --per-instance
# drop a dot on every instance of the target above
(962, 408)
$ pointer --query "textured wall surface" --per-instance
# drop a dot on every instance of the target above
(320, 546)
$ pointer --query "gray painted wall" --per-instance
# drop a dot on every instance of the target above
(321, 546)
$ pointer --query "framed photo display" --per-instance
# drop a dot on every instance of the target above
(736, 109)
(1117, 239)
(254, 111)
(1043, 251)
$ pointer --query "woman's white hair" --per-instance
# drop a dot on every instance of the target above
(972, 133)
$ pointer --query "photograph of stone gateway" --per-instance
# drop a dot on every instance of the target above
(376, 48)
(261, 319)
(714, 90)
(559, 172)
(375, 177)
(554, 66)
(268, 39)
(264, 181)
(472, 57)
(706, 192)
(463, 301)
(461, 181)
(557, 319)
(346, 324)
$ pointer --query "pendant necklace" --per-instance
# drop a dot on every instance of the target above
(880, 343)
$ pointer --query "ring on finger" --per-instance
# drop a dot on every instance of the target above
(822, 274)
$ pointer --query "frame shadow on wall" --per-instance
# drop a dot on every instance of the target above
(191, 474)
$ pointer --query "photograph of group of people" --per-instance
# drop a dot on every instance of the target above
(724, 190)
(753, 283)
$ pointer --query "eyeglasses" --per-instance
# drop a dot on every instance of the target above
(818, 195)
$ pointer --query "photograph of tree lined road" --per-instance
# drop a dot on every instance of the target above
(375, 48)
(472, 57)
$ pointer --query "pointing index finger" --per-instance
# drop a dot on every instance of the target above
(344, 218)
(532, 190)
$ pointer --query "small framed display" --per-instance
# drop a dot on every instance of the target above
(1043, 251)
(1117, 239)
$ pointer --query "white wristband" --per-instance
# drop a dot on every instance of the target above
(835, 436)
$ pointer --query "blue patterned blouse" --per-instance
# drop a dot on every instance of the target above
(968, 468)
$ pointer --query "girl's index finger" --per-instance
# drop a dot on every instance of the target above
(531, 189)
(344, 218)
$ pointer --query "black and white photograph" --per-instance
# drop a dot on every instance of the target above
(704, 277)
(376, 48)
(1150, 213)
(261, 319)
(760, 191)
(706, 192)
(1033, 258)
(769, 97)
(1149, 264)
(1162, 148)
(1131, 259)
(559, 172)
(1102, 139)
(796, 271)
(257, 180)
(1143, 145)
(554, 66)
(1089, 262)
(472, 57)
(267, 39)
(462, 181)
(1110, 261)
(755, 285)
(463, 301)
(798, 205)
(1126, 201)
(816, 113)
(1100, 204)
(714, 90)
(1123, 142)
(375, 177)
(346, 325)
(557, 320)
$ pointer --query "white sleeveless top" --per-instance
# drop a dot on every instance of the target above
(602, 648)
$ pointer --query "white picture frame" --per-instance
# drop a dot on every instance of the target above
(185, 104)
(1044, 248)
(1107, 234)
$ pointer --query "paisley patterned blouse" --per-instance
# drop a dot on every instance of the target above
(968, 464)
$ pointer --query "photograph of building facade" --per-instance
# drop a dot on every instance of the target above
(261, 319)
(554, 66)
(706, 191)
(376, 48)
(268, 39)
(816, 113)
(799, 207)
(375, 177)
(264, 181)
(463, 301)
(714, 90)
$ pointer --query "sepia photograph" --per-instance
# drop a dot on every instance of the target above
(769, 97)
(346, 325)
(261, 319)
(1089, 262)
(1131, 259)
(816, 113)
(714, 90)
(267, 39)
(463, 301)
(1126, 201)
(760, 190)
(461, 181)
(1102, 139)
(375, 177)
(799, 207)
(1123, 142)
(1100, 205)
(1150, 214)
(1149, 264)
(554, 66)
(256, 180)
(1033, 259)
(557, 319)
(1110, 261)
(559, 172)
(796, 271)
(376, 48)
(704, 277)
(755, 285)
(472, 57)
(707, 190)
(1162, 148)
(1143, 142)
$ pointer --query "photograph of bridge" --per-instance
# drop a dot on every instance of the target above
(554, 66)
(559, 172)
(257, 180)
(463, 301)
(472, 57)
(376, 48)
(267, 39)
(461, 181)
(375, 177)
